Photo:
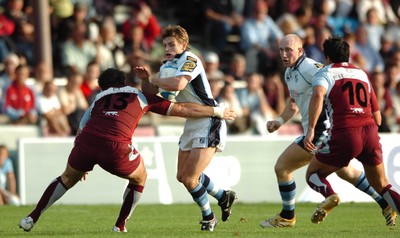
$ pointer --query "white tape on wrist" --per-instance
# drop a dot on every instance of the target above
(280, 120)
(219, 112)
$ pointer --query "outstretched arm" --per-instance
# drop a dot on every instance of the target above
(144, 75)
(194, 110)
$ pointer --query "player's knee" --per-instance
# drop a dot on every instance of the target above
(189, 182)
(68, 181)
(179, 178)
(281, 170)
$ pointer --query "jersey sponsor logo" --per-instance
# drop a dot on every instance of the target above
(111, 113)
(202, 140)
(188, 66)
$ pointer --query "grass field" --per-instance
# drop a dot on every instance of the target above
(181, 221)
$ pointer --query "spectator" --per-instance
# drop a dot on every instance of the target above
(392, 79)
(8, 183)
(255, 104)
(375, 61)
(89, 84)
(237, 67)
(73, 102)
(222, 20)
(288, 24)
(395, 62)
(78, 51)
(314, 51)
(111, 46)
(259, 38)
(230, 99)
(7, 28)
(387, 47)
(54, 121)
(211, 66)
(67, 26)
(275, 92)
(142, 16)
(137, 42)
(42, 74)
(216, 86)
(374, 28)
(60, 10)
(394, 30)
(384, 11)
(392, 73)
(7, 76)
(396, 106)
(303, 15)
(20, 101)
(384, 99)
(356, 57)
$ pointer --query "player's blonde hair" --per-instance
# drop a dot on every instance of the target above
(177, 32)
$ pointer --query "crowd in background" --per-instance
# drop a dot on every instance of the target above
(237, 40)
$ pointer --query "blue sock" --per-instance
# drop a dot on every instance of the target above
(200, 196)
(363, 185)
(288, 195)
(211, 189)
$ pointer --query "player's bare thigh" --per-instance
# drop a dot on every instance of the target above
(321, 168)
(182, 159)
(291, 159)
(139, 176)
(196, 162)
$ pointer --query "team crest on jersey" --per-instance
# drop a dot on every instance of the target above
(190, 58)
(110, 113)
(188, 66)
(319, 65)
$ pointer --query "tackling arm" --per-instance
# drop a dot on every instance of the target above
(196, 110)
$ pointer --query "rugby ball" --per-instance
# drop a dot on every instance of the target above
(167, 72)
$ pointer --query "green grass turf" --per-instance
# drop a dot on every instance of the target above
(181, 220)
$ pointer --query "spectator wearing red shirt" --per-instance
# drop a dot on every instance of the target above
(89, 84)
(7, 28)
(143, 17)
(20, 103)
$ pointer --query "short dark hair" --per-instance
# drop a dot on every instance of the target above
(337, 49)
(112, 77)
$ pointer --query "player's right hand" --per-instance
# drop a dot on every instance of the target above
(273, 126)
(141, 72)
